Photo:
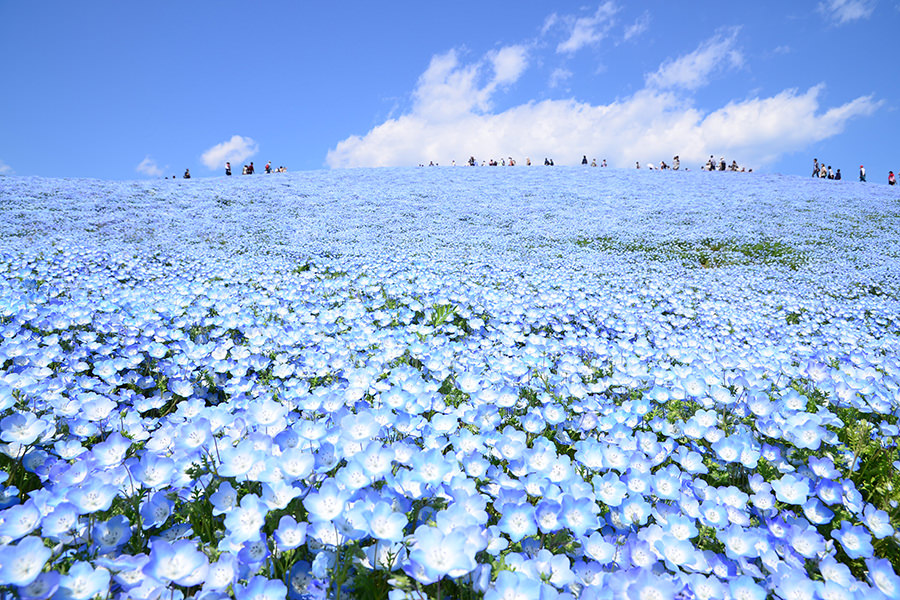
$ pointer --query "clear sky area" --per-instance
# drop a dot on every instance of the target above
(133, 90)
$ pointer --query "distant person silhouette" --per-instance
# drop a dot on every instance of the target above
(228, 169)
(187, 173)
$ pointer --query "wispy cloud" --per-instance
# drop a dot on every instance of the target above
(844, 11)
(559, 76)
(149, 167)
(5, 169)
(640, 25)
(693, 70)
(586, 31)
(237, 149)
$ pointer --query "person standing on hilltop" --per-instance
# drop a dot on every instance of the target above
(584, 159)
(815, 167)
(187, 174)
(862, 173)
(891, 179)
(228, 169)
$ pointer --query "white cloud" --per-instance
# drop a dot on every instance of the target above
(235, 150)
(844, 11)
(509, 64)
(149, 167)
(450, 121)
(448, 90)
(5, 169)
(693, 70)
(587, 31)
(641, 25)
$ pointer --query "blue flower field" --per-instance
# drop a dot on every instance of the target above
(511, 383)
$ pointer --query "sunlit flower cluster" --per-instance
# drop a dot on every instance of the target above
(452, 383)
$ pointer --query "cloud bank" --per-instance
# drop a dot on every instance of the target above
(235, 150)
(451, 117)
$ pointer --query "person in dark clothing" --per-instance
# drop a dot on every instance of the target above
(228, 169)
(837, 175)
(584, 159)
(187, 173)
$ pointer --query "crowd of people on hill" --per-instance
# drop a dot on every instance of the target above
(711, 164)
(250, 169)
(823, 172)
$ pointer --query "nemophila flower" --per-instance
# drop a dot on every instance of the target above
(290, 534)
(153, 471)
(744, 587)
(41, 588)
(546, 514)
(223, 499)
(675, 552)
(635, 510)
(181, 387)
(647, 584)
(156, 510)
(221, 574)
(92, 496)
(22, 428)
(179, 562)
(739, 541)
(851, 498)
(244, 522)
(829, 491)
(21, 563)
(882, 576)
(834, 571)
(327, 502)
(434, 555)
(878, 522)
(83, 582)
(261, 588)
(793, 583)
(713, 514)
(238, 461)
(667, 483)
(855, 540)
(517, 521)
(20, 520)
(579, 515)
(791, 489)
(817, 512)
(253, 553)
(609, 489)
(296, 463)
(806, 541)
(111, 534)
(112, 450)
(512, 585)
(384, 523)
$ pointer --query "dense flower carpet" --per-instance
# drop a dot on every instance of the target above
(526, 383)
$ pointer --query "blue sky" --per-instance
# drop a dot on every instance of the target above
(124, 90)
